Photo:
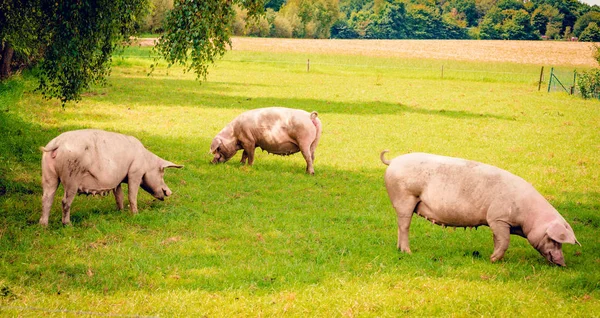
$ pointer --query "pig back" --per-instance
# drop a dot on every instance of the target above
(105, 156)
(460, 192)
(277, 130)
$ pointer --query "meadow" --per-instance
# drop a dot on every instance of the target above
(269, 240)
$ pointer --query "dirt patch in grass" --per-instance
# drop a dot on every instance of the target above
(548, 53)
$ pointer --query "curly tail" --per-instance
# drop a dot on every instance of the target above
(313, 115)
(43, 149)
(382, 157)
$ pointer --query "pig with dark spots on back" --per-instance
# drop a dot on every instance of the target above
(278, 130)
(94, 162)
(462, 193)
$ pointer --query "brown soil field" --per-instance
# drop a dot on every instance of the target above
(550, 53)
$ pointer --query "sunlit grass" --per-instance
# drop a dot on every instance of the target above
(269, 240)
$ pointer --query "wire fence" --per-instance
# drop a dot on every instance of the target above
(563, 81)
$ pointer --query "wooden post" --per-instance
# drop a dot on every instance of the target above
(308, 65)
(541, 78)
(574, 82)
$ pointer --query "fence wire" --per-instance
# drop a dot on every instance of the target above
(563, 81)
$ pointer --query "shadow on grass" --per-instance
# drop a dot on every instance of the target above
(187, 93)
(258, 229)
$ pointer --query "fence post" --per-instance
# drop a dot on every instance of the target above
(541, 78)
(574, 82)
(550, 78)
(308, 65)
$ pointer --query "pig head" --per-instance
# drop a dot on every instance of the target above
(94, 162)
(278, 130)
(461, 193)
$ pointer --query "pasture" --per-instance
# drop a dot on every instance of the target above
(269, 240)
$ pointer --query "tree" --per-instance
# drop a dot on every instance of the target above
(466, 9)
(545, 16)
(508, 24)
(583, 22)
(591, 33)
(197, 32)
(20, 23)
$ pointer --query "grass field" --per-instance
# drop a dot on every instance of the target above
(268, 240)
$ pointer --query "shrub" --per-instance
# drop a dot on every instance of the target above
(589, 83)
(310, 30)
(282, 28)
(260, 27)
(239, 22)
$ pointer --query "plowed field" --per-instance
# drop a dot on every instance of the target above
(525, 52)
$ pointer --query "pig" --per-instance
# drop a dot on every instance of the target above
(278, 130)
(92, 161)
(462, 193)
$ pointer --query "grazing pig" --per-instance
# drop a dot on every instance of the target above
(462, 193)
(94, 162)
(278, 130)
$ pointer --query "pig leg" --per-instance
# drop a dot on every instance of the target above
(244, 157)
(501, 232)
(70, 193)
(404, 207)
(118, 192)
(50, 184)
(308, 157)
(249, 150)
(134, 186)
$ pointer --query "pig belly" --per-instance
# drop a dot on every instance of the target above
(91, 185)
(449, 216)
(283, 149)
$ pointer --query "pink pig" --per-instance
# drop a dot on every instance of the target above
(278, 130)
(462, 193)
(94, 162)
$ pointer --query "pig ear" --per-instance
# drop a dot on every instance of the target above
(169, 164)
(561, 234)
(215, 144)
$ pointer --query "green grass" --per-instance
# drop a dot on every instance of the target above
(269, 240)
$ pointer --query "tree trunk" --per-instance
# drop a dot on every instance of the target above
(5, 61)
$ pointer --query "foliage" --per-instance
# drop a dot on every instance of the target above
(589, 83)
(507, 24)
(444, 19)
(591, 33)
(584, 21)
(198, 32)
(75, 40)
(154, 21)
(546, 20)
(465, 10)
(81, 38)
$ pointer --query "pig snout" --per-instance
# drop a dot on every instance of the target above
(556, 257)
(164, 192)
(218, 158)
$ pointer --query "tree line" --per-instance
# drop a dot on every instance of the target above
(424, 19)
